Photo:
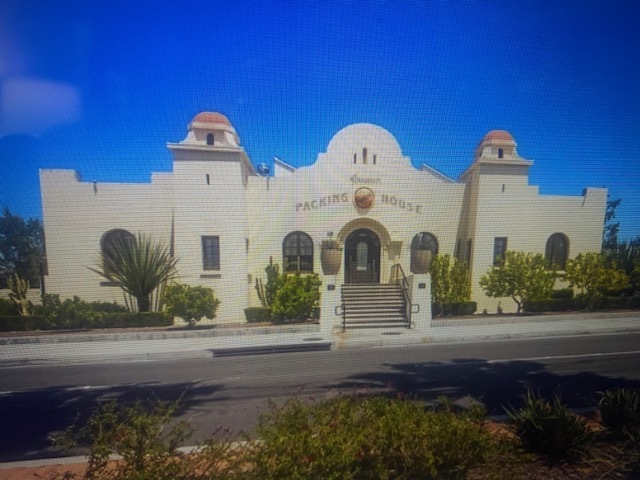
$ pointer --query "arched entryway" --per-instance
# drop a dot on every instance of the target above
(362, 257)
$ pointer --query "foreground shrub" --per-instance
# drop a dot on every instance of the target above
(190, 303)
(620, 413)
(550, 428)
(137, 433)
(373, 438)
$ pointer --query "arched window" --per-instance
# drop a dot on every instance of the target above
(111, 240)
(557, 250)
(209, 138)
(423, 241)
(500, 153)
(297, 253)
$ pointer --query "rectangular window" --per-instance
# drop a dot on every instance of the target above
(211, 253)
(499, 249)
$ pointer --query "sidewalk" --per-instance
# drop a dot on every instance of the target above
(92, 347)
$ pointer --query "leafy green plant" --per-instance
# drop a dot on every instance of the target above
(522, 276)
(190, 303)
(297, 298)
(351, 438)
(140, 266)
(550, 428)
(620, 413)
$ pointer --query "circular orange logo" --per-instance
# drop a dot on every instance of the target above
(364, 198)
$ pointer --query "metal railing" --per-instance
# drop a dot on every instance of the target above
(340, 310)
(397, 277)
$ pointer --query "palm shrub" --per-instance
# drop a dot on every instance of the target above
(139, 265)
(620, 413)
(550, 428)
(190, 303)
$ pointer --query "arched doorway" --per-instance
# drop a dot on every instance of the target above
(362, 257)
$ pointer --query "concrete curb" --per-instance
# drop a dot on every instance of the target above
(105, 335)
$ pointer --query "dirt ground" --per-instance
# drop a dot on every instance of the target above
(42, 472)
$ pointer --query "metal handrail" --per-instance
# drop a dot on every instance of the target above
(404, 285)
(340, 310)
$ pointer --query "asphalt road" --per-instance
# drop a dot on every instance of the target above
(38, 401)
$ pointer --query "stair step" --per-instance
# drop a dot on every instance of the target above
(374, 306)
(399, 320)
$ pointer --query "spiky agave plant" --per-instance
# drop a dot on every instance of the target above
(139, 265)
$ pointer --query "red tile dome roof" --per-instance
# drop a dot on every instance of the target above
(501, 136)
(211, 117)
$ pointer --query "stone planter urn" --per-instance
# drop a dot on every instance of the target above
(421, 260)
(330, 257)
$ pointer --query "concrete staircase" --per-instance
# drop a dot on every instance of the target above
(374, 306)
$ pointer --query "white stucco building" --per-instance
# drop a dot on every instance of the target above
(225, 221)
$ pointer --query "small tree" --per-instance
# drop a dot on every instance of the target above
(451, 281)
(139, 265)
(296, 299)
(190, 303)
(522, 276)
(590, 273)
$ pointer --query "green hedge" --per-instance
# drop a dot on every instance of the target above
(554, 305)
(579, 302)
(14, 323)
(257, 314)
(454, 309)
(7, 307)
(562, 293)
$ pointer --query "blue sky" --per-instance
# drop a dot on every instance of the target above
(101, 86)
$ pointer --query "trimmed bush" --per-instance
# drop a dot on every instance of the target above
(296, 299)
(455, 309)
(15, 323)
(7, 307)
(190, 303)
(562, 293)
(134, 320)
(550, 428)
(553, 305)
(257, 314)
(350, 438)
